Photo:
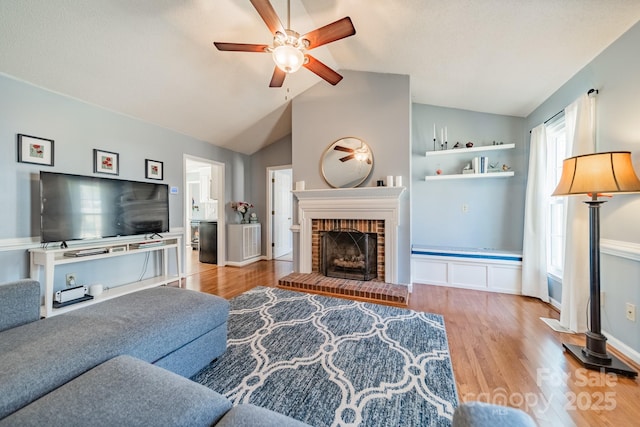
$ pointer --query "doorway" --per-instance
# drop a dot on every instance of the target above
(204, 201)
(280, 205)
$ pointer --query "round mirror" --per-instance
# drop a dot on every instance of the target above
(347, 163)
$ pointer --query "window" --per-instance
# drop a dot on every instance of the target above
(556, 153)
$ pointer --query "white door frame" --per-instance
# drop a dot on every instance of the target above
(269, 220)
(222, 238)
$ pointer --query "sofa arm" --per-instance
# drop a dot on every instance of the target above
(19, 303)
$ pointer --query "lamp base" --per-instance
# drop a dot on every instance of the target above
(616, 365)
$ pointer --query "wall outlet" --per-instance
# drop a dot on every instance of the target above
(71, 279)
(631, 312)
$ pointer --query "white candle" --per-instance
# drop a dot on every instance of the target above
(434, 131)
(446, 138)
(299, 185)
(399, 181)
(389, 181)
(441, 136)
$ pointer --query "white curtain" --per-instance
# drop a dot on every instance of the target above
(534, 246)
(580, 128)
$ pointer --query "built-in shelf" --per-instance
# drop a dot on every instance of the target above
(453, 151)
(470, 176)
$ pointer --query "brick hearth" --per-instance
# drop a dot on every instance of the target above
(369, 291)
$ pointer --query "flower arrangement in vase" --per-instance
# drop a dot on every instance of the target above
(243, 209)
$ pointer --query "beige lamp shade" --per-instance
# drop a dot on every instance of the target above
(610, 172)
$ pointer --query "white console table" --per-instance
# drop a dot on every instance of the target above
(46, 260)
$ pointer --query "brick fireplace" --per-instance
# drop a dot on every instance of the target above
(319, 226)
(366, 209)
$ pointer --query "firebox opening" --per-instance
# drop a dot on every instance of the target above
(349, 254)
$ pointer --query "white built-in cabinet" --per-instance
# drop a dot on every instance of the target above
(481, 269)
(244, 244)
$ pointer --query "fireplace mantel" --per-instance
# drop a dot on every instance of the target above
(350, 193)
(366, 203)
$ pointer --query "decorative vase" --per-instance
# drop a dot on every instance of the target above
(244, 218)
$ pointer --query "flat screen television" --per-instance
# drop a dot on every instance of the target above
(76, 207)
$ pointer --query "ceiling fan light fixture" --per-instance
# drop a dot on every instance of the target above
(288, 51)
(288, 58)
(361, 153)
(361, 157)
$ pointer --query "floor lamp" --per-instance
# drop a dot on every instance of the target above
(594, 174)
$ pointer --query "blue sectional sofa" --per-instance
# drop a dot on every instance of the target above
(119, 362)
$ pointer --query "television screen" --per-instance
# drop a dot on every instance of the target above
(75, 207)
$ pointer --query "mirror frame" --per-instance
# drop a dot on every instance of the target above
(340, 173)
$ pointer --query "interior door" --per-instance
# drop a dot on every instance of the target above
(282, 212)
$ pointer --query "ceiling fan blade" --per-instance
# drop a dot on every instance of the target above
(341, 148)
(322, 70)
(278, 78)
(349, 157)
(241, 47)
(329, 33)
(268, 15)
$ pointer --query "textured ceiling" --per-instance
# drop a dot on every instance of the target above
(154, 59)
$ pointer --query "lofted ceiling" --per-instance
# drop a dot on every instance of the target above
(155, 60)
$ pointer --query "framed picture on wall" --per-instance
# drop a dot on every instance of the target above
(105, 162)
(153, 169)
(32, 149)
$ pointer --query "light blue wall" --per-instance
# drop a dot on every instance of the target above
(616, 74)
(371, 106)
(276, 154)
(496, 205)
(77, 128)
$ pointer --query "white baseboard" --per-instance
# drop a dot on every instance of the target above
(622, 347)
(245, 262)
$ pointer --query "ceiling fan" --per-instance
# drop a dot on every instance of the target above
(289, 47)
(361, 154)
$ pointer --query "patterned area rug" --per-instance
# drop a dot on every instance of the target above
(335, 362)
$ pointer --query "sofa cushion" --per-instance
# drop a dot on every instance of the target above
(251, 416)
(124, 391)
(19, 303)
(479, 414)
(37, 357)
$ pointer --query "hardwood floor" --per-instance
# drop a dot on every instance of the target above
(501, 351)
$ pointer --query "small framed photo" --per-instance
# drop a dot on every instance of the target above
(153, 169)
(32, 149)
(105, 162)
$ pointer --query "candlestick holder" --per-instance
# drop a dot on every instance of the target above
(434, 144)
